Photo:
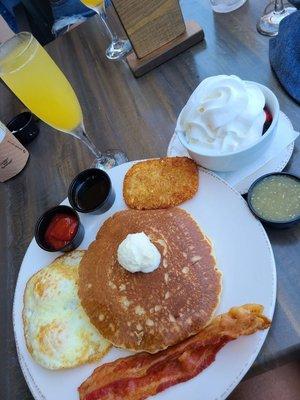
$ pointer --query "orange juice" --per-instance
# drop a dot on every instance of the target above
(93, 3)
(36, 80)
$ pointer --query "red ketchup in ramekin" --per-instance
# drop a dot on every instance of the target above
(61, 230)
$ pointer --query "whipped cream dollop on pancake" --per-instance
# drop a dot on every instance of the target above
(138, 254)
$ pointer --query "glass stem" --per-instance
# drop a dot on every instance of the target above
(279, 7)
(102, 14)
(82, 136)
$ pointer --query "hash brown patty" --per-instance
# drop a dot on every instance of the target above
(160, 183)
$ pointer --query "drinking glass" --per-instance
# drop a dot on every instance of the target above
(224, 6)
(36, 80)
(118, 48)
(275, 12)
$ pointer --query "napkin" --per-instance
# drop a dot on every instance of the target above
(284, 136)
(284, 52)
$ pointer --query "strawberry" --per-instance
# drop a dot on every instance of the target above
(268, 121)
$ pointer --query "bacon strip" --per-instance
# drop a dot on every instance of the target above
(142, 375)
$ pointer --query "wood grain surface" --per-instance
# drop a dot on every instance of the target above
(138, 116)
(150, 24)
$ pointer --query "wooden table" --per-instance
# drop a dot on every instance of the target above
(138, 116)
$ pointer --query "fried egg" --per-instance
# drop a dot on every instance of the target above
(57, 331)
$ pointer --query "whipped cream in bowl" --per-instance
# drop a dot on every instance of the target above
(226, 116)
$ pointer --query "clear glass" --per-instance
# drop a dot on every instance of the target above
(36, 80)
(225, 6)
(273, 14)
(118, 47)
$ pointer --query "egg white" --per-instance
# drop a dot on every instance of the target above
(57, 331)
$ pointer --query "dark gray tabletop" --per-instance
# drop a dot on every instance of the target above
(138, 116)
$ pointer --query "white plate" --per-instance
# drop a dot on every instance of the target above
(245, 257)
(276, 164)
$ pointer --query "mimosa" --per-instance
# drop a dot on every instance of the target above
(118, 48)
(92, 3)
(34, 77)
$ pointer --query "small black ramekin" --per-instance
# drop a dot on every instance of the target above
(103, 178)
(43, 223)
(272, 223)
(24, 127)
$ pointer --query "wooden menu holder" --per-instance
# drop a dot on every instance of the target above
(157, 32)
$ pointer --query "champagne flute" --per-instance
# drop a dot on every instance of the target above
(36, 80)
(274, 13)
(118, 48)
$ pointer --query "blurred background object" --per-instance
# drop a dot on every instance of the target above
(225, 6)
(273, 14)
(5, 30)
(8, 23)
(24, 127)
(295, 3)
(118, 47)
(45, 19)
(29, 15)
(13, 156)
(284, 51)
(67, 13)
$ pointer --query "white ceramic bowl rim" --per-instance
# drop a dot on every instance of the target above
(196, 150)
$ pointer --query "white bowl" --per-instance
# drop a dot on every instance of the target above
(232, 161)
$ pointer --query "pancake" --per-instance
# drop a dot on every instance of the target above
(150, 311)
(57, 331)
